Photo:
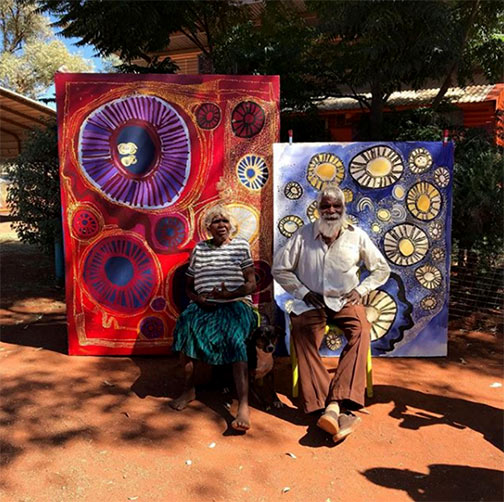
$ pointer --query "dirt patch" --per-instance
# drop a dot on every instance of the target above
(99, 428)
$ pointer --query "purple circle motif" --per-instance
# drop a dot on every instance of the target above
(152, 327)
(136, 151)
(208, 116)
(247, 119)
(158, 304)
(170, 232)
(120, 274)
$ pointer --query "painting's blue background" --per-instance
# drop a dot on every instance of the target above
(415, 332)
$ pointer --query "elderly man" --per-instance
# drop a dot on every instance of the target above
(319, 267)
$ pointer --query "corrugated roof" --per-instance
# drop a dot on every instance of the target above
(18, 116)
(469, 94)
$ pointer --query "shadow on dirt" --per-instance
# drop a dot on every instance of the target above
(443, 482)
(455, 412)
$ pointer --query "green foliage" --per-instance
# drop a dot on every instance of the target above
(30, 53)
(478, 197)
(34, 195)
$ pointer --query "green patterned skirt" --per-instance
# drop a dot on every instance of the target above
(215, 336)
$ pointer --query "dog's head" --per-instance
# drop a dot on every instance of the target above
(266, 337)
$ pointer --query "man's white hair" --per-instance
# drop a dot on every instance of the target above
(333, 191)
(218, 211)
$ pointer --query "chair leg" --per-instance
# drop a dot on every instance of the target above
(369, 374)
(295, 370)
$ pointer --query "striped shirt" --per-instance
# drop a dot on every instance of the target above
(210, 266)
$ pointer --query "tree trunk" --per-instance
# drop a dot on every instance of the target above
(376, 116)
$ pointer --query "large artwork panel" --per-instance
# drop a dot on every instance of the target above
(400, 194)
(142, 157)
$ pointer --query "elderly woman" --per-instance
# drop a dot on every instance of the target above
(216, 324)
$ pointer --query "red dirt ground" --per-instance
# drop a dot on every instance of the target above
(100, 429)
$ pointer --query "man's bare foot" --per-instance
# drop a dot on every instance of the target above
(242, 420)
(183, 400)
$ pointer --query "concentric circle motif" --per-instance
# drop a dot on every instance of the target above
(405, 244)
(381, 311)
(136, 152)
(152, 327)
(120, 274)
(312, 212)
(86, 223)
(438, 254)
(442, 177)
(365, 203)
(429, 276)
(293, 190)
(289, 224)
(377, 167)
(420, 160)
(424, 201)
(324, 168)
(208, 116)
(246, 220)
(263, 275)
(436, 230)
(349, 196)
(398, 192)
(333, 340)
(383, 214)
(398, 213)
(158, 304)
(170, 232)
(252, 172)
(428, 303)
(247, 119)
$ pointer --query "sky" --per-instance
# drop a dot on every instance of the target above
(86, 51)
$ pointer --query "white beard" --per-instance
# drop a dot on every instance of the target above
(329, 228)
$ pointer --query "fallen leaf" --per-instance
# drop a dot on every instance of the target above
(291, 454)
(188, 462)
(463, 361)
(108, 384)
(132, 498)
(125, 413)
(495, 385)
(212, 445)
(286, 489)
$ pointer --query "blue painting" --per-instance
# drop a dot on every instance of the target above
(401, 195)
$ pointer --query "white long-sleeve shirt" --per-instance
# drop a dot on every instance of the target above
(307, 264)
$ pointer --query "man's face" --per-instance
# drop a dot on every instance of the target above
(331, 209)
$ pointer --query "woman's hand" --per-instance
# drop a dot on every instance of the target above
(221, 294)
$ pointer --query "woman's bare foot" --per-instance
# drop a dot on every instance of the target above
(183, 400)
(242, 420)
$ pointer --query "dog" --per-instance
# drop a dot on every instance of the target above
(260, 347)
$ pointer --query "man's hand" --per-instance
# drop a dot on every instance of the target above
(353, 298)
(315, 299)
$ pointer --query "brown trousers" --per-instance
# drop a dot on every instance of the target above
(349, 381)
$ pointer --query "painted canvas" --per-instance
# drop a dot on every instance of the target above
(400, 194)
(142, 157)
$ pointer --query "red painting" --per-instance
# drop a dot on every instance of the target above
(142, 157)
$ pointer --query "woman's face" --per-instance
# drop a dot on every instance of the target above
(220, 228)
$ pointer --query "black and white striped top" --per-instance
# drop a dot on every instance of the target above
(211, 265)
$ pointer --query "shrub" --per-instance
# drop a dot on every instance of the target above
(34, 195)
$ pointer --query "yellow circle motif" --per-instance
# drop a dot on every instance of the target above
(377, 167)
(324, 168)
(312, 212)
(424, 201)
(381, 311)
(398, 192)
(420, 160)
(348, 195)
(383, 214)
(405, 244)
(375, 227)
(429, 276)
